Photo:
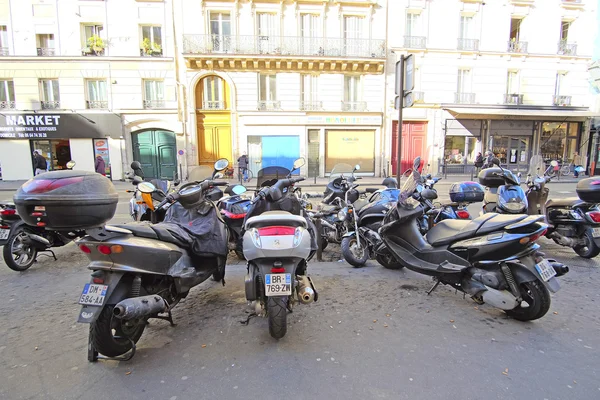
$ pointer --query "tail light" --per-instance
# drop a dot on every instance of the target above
(533, 238)
(98, 277)
(147, 197)
(85, 249)
(595, 216)
(41, 224)
(463, 214)
(231, 215)
(8, 211)
(37, 214)
(36, 186)
(104, 249)
(276, 231)
(4, 227)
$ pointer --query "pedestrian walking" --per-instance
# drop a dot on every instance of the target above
(100, 165)
(243, 166)
(478, 161)
(576, 164)
(39, 163)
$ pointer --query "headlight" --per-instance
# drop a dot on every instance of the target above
(513, 206)
(342, 214)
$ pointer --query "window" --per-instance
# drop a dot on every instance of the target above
(352, 35)
(267, 92)
(513, 82)
(564, 30)
(464, 81)
(309, 92)
(352, 88)
(310, 31)
(559, 141)
(267, 29)
(561, 87)
(3, 40)
(154, 94)
(213, 97)
(220, 30)
(466, 27)
(413, 24)
(7, 94)
(96, 94)
(151, 40)
(45, 44)
(49, 93)
(560, 80)
(515, 29)
(92, 39)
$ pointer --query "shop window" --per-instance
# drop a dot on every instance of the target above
(559, 141)
(154, 94)
(353, 94)
(267, 92)
(461, 149)
(309, 99)
(151, 41)
(49, 94)
(56, 152)
(45, 44)
(213, 95)
(7, 94)
(96, 94)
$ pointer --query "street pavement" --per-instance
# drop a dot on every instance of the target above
(373, 334)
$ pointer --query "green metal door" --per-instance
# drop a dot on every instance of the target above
(156, 151)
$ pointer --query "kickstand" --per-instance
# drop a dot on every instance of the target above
(435, 285)
(168, 317)
(247, 321)
(94, 356)
(49, 251)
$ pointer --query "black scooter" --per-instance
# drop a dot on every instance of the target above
(493, 258)
(503, 192)
(233, 209)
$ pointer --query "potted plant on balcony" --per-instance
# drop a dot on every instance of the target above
(95, 46)
(151, 48)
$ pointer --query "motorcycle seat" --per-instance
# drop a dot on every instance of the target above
(276, 218)
(164, 235)
(498, 221)
(139, 229)
(360, 204)
(568, 202)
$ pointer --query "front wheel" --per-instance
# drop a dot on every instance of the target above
(388, 260)
(537, 298)
(18, 255)
(108, 333)
(565, 170)
(356, 255)
(590, 249)
(277, 313)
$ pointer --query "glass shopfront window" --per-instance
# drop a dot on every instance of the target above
(559, 141)
(461, 149)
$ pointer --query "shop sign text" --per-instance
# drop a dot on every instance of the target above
(29, 126)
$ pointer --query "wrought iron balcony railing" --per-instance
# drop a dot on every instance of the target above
(4, 51)
(358, 106)
(464, 98)
(45, 52)
(50, 105)
(513, 98)
(269, 105)
(415, 42)
(144, 53)
(283, 46)
(4, 105)
(517, 47)
(97, 104)
(154, 104)
(559, 100)
(468, 44)
(567, 49)
(213, 105)
(311, 105)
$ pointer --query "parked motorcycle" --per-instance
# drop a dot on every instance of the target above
(278, 242)
(142, 205)
(503, 192)
(234, 208)
(142, 271)
(493, 258)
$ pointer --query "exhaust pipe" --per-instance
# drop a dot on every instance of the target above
(306, 294)
(560, 268)
(140, 307)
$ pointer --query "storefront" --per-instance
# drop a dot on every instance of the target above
(511, 142)
(350, 147)
(560, 141)
(59, 138)
(462, 144)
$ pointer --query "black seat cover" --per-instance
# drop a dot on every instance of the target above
(167, 236)
(568, 202)
(139, 229)
(499, 221)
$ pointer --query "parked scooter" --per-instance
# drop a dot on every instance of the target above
(494, 258)
(234, 208)
(278, 245)
(503, 192)
(142, 205)
(142, 271)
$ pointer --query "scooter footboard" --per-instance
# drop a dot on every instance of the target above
(115, 291)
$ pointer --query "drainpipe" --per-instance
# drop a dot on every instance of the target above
(181, 90)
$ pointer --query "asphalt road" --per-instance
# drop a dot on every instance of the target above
(373, 334)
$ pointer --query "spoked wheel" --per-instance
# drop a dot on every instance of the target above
(277, 313)
(18, 255)
(355, 254)
(105, 330)
(589, 249)
(388, 260)
(565, 170)
(535, 304)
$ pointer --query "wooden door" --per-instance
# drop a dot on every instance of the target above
(414, 144)
(156, 150)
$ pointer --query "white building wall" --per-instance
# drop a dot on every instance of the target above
(82, 152)
(12, 153)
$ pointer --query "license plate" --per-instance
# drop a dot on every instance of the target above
(278, 284)
(596, 232)
(545, 270)
(4, 234)
(93, 295)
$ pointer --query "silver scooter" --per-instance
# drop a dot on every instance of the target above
(278, 245)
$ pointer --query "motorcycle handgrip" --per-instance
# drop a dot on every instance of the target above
(300, 179)
(220, 183)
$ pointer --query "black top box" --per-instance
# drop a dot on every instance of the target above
(488, 177)
(466, 192)
(589, 190)
(67, 200)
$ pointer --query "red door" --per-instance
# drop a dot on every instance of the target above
(414, 143)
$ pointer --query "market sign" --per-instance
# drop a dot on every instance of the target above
(59, 126)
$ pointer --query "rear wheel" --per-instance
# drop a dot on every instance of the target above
(18, 255)
(105, 330)
(388, 260)
(537, 298)
(590, 249)
(356, 255)
(277, 313)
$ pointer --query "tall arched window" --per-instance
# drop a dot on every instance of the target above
(213, 93)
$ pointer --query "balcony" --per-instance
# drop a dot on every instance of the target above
(269, 105)
(4, 51)
(559, 100)
(97, 104)
(284, 53)
(153, 104)
(468, 44)
(144, 53)
(45, 52)
(357, 106)
(513, 98)
(311, 105)
(50, 105)
(213, 105)
(464, 98)
(415, 42)
(517, 47)
(567, 49)
(8, 105)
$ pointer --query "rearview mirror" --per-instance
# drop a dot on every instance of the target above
(554, 163)
(299, 163)
(71, 164)
(417, 163)
(146, 187)
(496, 162)
(221, 164)
(357, 167)
(137, 180)
(239, 189)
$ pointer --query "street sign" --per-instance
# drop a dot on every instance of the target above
(409, 79)
(408, 100)
(398, 90)
(397, 102)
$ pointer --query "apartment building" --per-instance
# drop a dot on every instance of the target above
(81, 78)
(279, 80)
(505, 75)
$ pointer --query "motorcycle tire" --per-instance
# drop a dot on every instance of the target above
(324, 243)
(590, 249)
(277, 314)
(388, 261)
(538, 298)
(7, 252)
(103, 339)
(356, 260)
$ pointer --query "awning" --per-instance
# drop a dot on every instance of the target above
(507, 112)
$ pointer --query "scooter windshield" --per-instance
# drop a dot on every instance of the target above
(270, 175)
(339, 170)
(200, 173)
(536, 166)
(408, 188)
